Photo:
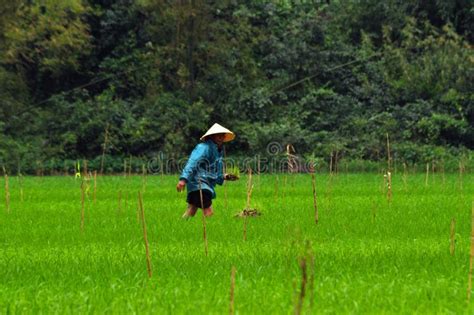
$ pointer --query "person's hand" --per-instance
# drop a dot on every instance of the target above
(230, 177)
(180, 186)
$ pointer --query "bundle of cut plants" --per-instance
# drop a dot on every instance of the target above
(232, 174)
(248, 213)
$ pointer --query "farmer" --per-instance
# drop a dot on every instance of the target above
(204, 170)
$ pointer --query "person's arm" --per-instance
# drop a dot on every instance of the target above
(198, 154)
(220, 174)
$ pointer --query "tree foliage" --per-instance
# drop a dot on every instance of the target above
(324, 76)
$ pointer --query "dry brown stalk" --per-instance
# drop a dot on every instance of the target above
(384, 183)
(95, 185)
(224, 170)
(315, 203)
(130, 166)
(304, 279)
(145, 238)
(144, 175)
(330, 164)
(104, 146)
(204, 234)
(427, 173)
(292, 163)
(389, 187)
(461, 173)
(249, 194)
(249, 187)
(443, 174)
(125, 167)
(7, 193)
(232, 290)
(84, 162)
(389, 159)
(20, 182)
(277, 184)
(405, 175)
(452, 235)
(258, 169)
(471, 258)
(83, 195)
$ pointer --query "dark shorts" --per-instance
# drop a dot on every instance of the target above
(194, 198)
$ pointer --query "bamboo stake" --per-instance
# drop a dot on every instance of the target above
(7, 193)
(405, 175)
(258, 169)
(277, 184)
(224, 170)
(452, 235)
(20, 182)
(84, 162)
(443, 174)
(204, 234)
(144, 174)
(389, 187)
(106, 138)
(249, 194)
(145, 238)
(315, 203)
(427, 173)
(95, 185)
(469, 281)
(304, 276)
(232, 290)
(83, 194)
(389, 159)
(330, 163)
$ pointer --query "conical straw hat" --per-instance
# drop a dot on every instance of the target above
(215, 129)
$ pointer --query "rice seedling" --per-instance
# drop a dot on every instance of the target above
(104, 147)
(359, 268)
(7, 192)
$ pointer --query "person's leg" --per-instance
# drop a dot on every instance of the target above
(208, 211)
(190, 212)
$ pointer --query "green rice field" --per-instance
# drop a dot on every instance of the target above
(365, 256)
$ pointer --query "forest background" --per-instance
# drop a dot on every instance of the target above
(120, 79)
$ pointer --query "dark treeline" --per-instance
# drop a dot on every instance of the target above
(150, 76)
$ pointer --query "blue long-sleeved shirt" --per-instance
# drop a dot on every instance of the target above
(204, 165)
